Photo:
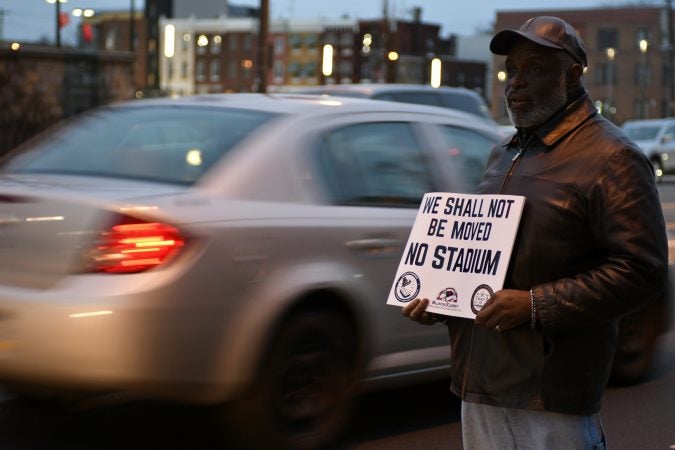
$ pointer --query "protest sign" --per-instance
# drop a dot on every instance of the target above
(458, 252)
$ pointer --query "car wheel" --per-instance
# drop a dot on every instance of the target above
(303, 394)
(638, 333)
(658, 170)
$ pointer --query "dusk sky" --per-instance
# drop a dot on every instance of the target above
(29, 20)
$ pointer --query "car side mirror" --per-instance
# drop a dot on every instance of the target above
(666, 138)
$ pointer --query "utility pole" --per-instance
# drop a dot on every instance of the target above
(132, 25)
(385, 41)
(58, 23)
(667, 50)
(262, 46)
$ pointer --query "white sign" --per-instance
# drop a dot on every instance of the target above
(458, 252)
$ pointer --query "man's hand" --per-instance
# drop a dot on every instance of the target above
(506, 309)
(416, 310)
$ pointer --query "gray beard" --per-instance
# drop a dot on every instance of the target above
(542, 108)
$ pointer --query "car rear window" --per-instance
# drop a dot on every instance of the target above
(642, 132)
(168, 144)
(421, 98)
(467, 103)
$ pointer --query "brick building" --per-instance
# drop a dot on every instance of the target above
(119, 31)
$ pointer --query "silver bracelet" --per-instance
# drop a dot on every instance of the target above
(533, 310)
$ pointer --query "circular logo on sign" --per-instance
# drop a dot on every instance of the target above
(407, 287)
(480, 296)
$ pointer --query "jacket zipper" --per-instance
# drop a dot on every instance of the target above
(509, 173)
(514, 162)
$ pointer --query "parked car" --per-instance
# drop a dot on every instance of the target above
(444, 96)
(227, 249)
(233, 250)
(656, 137)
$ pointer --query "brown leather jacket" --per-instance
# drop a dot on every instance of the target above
(591, 245)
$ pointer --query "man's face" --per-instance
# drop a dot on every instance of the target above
(536, 87)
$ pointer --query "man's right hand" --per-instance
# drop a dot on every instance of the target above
(416, 310)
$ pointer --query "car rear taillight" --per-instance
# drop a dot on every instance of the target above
(136, 247)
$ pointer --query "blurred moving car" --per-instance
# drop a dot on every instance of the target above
(656, 137)
(228, 249)
(458, 98)
(232, 250)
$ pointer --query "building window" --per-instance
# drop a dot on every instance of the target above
(642, 74)
(200, 70)
(347, 40)
(216, 44)
(185, 45)
(279, 45)
(641, 108)
(642, 34)
(330, 38)
(246, 44)
(295, 41)
(214, 72)
(279, 71)
(310, 70)
(110, 39)
(169, 69)
(311, 40)
(234, 42)
(246, 70)
(294, 69)
(202, 44)
(608, 38)
(345, 68)
(231, 70)
(605, 73)
(184, 70)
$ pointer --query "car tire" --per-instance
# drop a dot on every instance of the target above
(638, 334)
(303, 394)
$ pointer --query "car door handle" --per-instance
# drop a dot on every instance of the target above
(376, 246)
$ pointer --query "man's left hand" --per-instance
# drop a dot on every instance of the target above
(506, 309)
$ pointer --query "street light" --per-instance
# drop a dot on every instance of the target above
(435, 72)
(79, 12)
(644, 71)
(57, 4)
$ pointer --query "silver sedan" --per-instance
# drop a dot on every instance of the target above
(226, 249)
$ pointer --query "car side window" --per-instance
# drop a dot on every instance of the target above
(375, 164)
(668, 134)
(469, 151)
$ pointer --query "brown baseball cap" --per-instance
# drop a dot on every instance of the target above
(548, 31)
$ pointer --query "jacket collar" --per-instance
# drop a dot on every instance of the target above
(558, 126)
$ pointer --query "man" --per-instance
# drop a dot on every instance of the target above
(590, 248)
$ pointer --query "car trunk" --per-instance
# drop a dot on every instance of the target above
(48, 225)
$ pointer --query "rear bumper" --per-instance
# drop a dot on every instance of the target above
(93, 335)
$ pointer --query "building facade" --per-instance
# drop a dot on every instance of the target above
(122, 31)
(628, 74)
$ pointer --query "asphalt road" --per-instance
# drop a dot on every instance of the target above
(639, 417)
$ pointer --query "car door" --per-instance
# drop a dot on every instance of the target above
(376, 173)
